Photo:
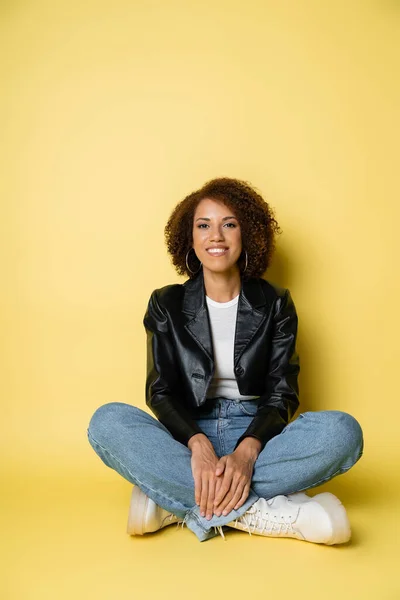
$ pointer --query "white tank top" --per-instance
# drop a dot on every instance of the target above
(223, 323)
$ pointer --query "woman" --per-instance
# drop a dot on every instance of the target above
(222, 370)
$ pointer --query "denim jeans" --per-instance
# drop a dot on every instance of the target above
(311, 449)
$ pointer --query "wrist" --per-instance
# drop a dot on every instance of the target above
(251, 446)
(197, 441)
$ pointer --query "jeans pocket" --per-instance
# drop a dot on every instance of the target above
(248, 407)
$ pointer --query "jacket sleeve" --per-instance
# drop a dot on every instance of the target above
(280, 401)
(162, 378)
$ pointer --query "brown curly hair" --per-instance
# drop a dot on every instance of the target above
(257, 223)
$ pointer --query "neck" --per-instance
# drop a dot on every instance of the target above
(222, 287)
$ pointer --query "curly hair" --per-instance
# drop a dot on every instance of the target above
(257, 223)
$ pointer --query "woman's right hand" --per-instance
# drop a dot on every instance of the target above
(204, 462)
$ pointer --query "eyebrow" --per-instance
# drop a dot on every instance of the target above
(207, 219)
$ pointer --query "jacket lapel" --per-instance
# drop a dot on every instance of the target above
(248, 319)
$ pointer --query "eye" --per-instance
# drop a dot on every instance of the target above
(202, 224)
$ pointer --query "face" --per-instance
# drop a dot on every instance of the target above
(214, 224)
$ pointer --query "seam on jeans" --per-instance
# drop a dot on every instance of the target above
(220, 432)
(196, 518)
(338, 472)
(244, 410)
(221, 442)
(133, 477)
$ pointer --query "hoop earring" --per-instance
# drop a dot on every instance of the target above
(246, 263)
(188, 268)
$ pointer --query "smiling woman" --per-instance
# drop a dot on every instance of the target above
(217, 243)
(222, 380)
(203, 219)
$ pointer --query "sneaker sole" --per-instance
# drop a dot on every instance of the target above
(338, 516)
(137, 512)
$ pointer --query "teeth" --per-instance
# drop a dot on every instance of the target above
(214, 251)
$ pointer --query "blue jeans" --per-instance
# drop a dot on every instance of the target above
(311, 449)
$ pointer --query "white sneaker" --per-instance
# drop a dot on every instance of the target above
(145, 515)
(321, 519)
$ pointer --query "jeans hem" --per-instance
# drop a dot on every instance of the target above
(202, 527)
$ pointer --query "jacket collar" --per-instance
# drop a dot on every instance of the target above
(249, 317)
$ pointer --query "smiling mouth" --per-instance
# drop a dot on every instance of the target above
(215, 252)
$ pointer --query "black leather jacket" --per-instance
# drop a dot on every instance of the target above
(180, 362)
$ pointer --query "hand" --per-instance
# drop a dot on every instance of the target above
(203, 463)
(234, 473)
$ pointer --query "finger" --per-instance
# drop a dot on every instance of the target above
(220, 467)
(235, 498)
(210, 501)
(243, 497)
(197, 489)
(218, 484)
(204, 496)
(226, 484)
(221, 508)
(227, 490)
(233, 494)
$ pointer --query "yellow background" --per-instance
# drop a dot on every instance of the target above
(112, 112)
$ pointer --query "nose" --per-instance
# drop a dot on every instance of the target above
(216, 235)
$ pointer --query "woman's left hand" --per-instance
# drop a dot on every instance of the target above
(233, 486)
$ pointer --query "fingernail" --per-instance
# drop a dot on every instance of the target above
(202, 513)
(224, 512)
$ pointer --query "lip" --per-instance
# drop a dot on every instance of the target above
(219, 254)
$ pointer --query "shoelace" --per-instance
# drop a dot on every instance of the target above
(169, 517)
(261, 522)
(257, 521)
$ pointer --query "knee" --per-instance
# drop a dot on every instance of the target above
(106, 418)
(345, 433)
